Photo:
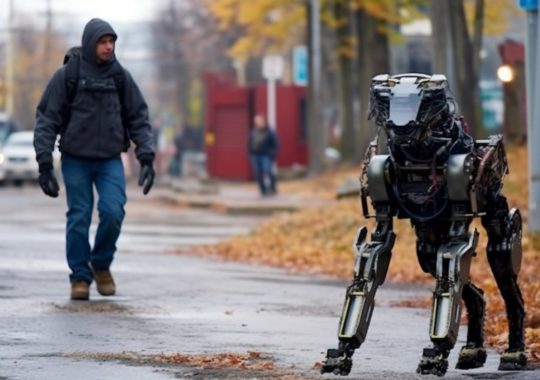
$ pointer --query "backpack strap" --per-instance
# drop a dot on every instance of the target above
(120, 84)
(72, 74)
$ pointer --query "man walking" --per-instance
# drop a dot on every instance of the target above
(262, 146)
(96, 113)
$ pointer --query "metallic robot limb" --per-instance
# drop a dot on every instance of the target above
(452, 271)
(473, 354)
(504, 256)
(371, 265)
(429, 237)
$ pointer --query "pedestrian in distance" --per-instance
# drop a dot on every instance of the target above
(96, 108)
(263, 147)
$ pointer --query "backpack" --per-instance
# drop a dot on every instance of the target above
(72, 63)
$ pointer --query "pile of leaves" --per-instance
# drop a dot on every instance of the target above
(242, 361)
(319, 241)
(230, 365)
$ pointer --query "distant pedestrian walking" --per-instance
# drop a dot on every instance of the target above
(93, 103)
(263, 147)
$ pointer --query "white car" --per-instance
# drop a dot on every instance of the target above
(18, 158)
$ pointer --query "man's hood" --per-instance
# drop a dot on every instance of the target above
(93, 31)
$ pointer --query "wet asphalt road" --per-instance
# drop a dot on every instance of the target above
(169, 303)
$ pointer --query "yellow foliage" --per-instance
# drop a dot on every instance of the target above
(498, 15)
(378, 9)
(242, 48)
(280, 24)
(267, 25)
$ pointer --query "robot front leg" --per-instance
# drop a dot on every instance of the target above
(452, 272)
(372, 260)
(473, 354)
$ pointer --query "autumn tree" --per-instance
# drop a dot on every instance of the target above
(372, 20)
(465, 54)
(267, 26)
(338, 16)
(187, 43)
(364, 29)
(36, 56)
(458, 30)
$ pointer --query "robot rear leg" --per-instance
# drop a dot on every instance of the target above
(504, 256)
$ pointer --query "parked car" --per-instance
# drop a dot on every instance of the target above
(18, 158)
(7, 126)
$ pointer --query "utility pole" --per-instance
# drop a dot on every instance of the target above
(533, 114)
(315, 131)
(9, 86)
(48, 32)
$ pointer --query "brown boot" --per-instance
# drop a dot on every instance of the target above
(104, 282)
(80, 290)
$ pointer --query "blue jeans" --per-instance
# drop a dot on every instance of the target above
(80, 177)
(263, 167)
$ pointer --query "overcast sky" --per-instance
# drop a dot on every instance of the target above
(83, 10)
(129, 18)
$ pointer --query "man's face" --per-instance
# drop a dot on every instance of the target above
(105, 49)
(259, 121)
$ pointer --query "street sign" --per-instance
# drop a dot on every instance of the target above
(273, 67)
(529, 5)
(300, 66)
(272, 71)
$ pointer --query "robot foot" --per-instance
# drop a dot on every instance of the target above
(337, 362)
(471, 357)
(433, 362)
(513, 361)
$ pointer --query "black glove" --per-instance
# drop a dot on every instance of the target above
(147, 174)
(47, 180)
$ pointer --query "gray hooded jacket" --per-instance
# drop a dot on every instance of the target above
(95, 129)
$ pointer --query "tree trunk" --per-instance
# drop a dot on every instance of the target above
(373, 59)
(345, 83)
(468, 92)
(478, 36)
(440, 38)
(316, 132)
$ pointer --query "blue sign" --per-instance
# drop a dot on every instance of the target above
(300, 66)
(529, 5)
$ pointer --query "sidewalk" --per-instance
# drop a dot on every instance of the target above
(230, 197)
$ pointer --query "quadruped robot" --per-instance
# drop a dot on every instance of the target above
(440, 178)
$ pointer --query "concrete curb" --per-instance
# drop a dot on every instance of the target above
(264, 207)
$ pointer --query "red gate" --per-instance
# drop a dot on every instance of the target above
(227, 129)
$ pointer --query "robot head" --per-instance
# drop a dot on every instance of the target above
(409, 106)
